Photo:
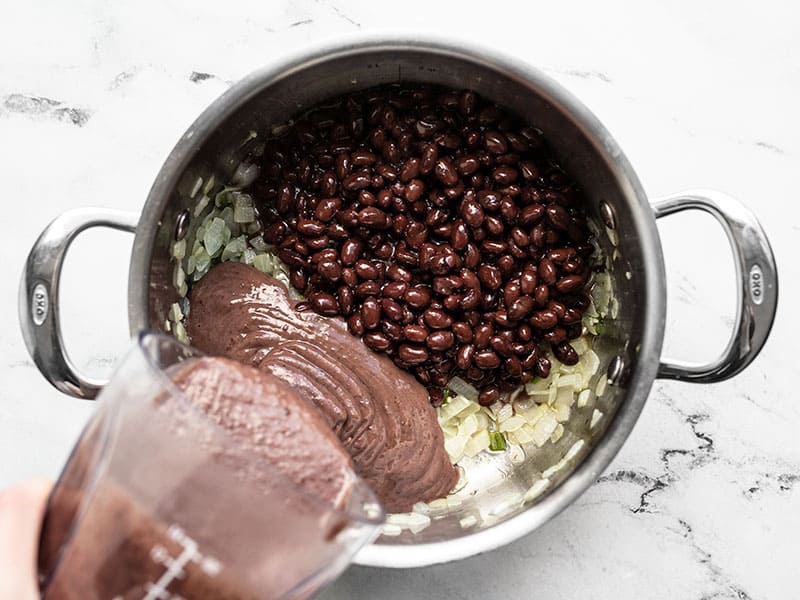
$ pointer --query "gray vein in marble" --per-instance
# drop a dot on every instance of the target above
(758, 405)
(705, 452)
(583, 74)
(20, 364)
(650, 484)
(44, 107)
(302, 22)
(784, 482)
(770, 147)
(344, 16)
(198, 76)
(727, 588)
(699, 455)
(121, 78)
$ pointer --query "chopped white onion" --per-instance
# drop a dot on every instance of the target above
(243, 208)
(536, 490)
(214, 237)
(179, 249)
(574, 449)
(245, 174)
(468, 521)
(461, 387)
(201, 205)
(601, 386)
(263, 262)
(197, 185)
(391, 530)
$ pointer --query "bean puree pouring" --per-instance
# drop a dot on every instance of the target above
(439, 226)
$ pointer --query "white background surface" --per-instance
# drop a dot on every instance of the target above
(698, 94)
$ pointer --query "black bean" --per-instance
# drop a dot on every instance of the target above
(374, 218)
(418, 297)
(486, 359)
(324, 304)
(464, 356)
(521, 308)
(558, 216)
(377, 341)
(544, 319)
(490, 277)
(366, 270)
(330, 270)
(541, 295)
(513, 366)
(326, 209)
(355, 324)
(370, 313)
(310, 227)
(472, 213)
(367, 288)
(459, 237)
(463, 332)
(483, 333)
(351, 250)
(357, 181)
(441, 340)
(547, 271)
(392, 309)
(489, 200)
(415, 333)
(437, 319)
(489, 395)
(495, 142)
(570, 283)
(566, 353)
(346, 301)
(412, 355)
(395, 289)
(531, 214)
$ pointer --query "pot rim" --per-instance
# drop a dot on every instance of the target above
(646, 362)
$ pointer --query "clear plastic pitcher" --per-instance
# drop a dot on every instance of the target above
(150, 507)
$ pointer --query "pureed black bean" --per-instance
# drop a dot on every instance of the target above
(439, 226)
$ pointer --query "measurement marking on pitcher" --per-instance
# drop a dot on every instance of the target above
(175, 566)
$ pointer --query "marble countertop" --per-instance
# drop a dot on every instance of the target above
(704, 499)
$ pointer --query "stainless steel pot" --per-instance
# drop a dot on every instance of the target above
(629, 347)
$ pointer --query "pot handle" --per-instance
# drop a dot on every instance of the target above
(756, 272)
(38, 295)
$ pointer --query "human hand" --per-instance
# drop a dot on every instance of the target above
(21, 511)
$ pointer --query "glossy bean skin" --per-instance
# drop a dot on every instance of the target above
(438, 226)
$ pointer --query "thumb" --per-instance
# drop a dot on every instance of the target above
(21, 510)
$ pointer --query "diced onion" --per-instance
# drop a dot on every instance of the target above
(461, 387)
(215, 236)
(243, 209)
(536, 490)
(601, 386)
(201, 205)
(197, 185)
(263, 262)
(574, 449)
(245, 174)
(179, 249)
(477, 443)
(390, 530)
(468, 521)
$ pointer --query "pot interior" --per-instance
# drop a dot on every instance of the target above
(216, 144)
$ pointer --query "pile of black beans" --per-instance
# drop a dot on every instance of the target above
(439, 226)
